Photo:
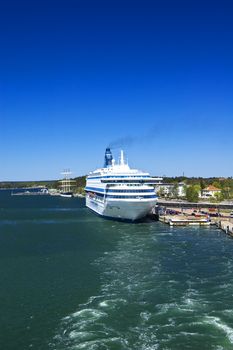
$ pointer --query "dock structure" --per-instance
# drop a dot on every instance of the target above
(181, 220)
(184, 204)
(30, 191)
(226, 226)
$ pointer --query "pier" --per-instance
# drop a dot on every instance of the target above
(226, 226)
(198, 205)
(30, 191)
(182, 220)
(188, 216)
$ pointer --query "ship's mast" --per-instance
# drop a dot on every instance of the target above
(122, 160)
(66, 182)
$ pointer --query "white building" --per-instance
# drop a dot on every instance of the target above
(171, 189)
(181, 189)
(210, 192)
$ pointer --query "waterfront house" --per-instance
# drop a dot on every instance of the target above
(210, 192)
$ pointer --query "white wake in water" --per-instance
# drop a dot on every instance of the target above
(142, 304)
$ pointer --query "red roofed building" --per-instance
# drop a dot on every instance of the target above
(210, 191)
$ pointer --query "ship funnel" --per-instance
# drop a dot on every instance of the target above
(108, 158)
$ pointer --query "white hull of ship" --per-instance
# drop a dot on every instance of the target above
(132, 209)
(66, 195)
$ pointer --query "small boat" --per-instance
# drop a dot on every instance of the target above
(66, 194)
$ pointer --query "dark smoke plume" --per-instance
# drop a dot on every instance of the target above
(125, 141)
(128, 141)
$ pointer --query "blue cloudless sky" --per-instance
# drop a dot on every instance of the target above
(155, 77)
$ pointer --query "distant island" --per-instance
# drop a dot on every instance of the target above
(79, 184)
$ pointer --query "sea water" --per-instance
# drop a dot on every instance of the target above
(72, 280)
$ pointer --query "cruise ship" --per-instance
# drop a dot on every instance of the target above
(119, 192)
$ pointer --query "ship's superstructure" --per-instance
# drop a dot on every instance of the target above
(117, 191)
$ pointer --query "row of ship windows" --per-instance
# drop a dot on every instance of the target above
(131, 197)
(130, 191)
(95, 189)
(118, 177)
(138, 181)
(101, 195)
(136, 184)
(119, 191)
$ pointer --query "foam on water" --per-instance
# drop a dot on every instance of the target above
(147, 300)
(109, 304)
(217, 323)
(91, 314)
